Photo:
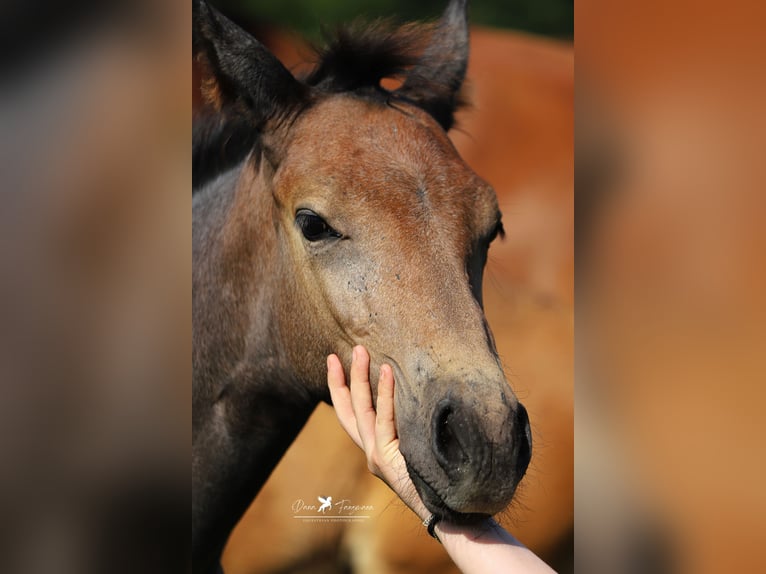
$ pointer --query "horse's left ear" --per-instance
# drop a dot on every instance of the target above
(240, 73)
(434, 82)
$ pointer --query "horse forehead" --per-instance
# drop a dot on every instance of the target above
(374, 135)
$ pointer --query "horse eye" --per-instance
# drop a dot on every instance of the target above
(313, 227)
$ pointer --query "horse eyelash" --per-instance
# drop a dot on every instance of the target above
(499, 231)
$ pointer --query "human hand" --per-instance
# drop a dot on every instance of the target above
(486, 547)
(374, 432)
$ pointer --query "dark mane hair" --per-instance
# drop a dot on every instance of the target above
(219, 142)
(361, 54)
(353, 59)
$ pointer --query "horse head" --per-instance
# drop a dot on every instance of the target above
(377, 233)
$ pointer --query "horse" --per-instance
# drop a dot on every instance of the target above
(517, 134)
(342, 215)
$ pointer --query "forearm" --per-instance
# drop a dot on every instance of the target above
(488, 548)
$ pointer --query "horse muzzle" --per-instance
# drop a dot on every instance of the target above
(475, 460)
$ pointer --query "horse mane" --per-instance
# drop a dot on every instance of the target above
(353, 58)
(219, 142)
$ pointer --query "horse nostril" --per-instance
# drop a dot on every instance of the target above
(523, 437)
(461, 445)
(446, 445)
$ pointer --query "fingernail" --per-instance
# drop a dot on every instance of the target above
(354, 353)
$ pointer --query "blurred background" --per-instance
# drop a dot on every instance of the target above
(671, 276)
(95, 325)
(546, 17)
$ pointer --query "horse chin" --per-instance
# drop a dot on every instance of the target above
(436, 504)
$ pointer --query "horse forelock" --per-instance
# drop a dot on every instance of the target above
(361, 54)
(357, 57)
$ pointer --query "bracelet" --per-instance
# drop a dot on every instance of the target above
(430, 523)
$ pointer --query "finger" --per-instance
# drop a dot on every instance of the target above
(341, 398)
(361, 397)
(385, 428)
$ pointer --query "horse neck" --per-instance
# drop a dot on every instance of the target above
(240, 287)
(247, 405)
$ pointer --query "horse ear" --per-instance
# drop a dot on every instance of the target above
(239, 72)
(434, 82)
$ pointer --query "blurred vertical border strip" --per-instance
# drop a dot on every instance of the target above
(94, 298)
(671, 318)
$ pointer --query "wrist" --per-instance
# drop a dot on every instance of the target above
(407, 493)
(486, 530)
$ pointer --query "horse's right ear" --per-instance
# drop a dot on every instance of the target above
(239, 73)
